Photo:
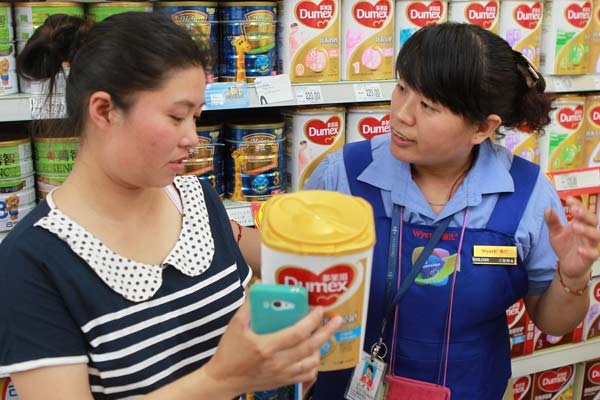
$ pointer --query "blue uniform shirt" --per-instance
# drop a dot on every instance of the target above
(479, 191)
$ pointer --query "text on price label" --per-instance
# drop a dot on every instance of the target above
(309, 95)
(367, 92)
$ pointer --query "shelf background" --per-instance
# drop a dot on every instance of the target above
(18, 107)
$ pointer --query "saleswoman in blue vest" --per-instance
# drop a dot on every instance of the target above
(457, 85)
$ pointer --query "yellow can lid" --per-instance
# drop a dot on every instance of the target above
(318, 222)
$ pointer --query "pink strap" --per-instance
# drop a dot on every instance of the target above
(175, 198)
(449, 325)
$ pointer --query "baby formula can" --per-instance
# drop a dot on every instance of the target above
(7, 389)
(564, 33)
(8, 74)
(521, 26)
(7, 33)
(31, 15)
(254, 160)
(323, 241)
(205, 161)
(367, 40)
(594, 39)
(248, 40)
(483, 13)
(312, 134)
(14, 206)
(521, 330)
(199, 18)
(100, 11)
(45, 183)
(309, 40)
(521, 142)
(413, 15)
(561, 144)
(212, 131)
(591, 380)
(15, 158)
(55, 156)
(365, 121)
(554, 384)
(591, 145)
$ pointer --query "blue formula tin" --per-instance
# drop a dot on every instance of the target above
(211, 132)
(254, 161)
(248, 40)
(205, 161)
(200, 19)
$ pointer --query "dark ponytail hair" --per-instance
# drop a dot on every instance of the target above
(122, 55)
(474, 73)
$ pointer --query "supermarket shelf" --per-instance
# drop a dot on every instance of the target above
(552, 358)
(18, 107)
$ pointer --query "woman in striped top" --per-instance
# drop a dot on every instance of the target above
(127, 282)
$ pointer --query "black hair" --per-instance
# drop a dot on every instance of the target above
(474, 73)
(122, 55)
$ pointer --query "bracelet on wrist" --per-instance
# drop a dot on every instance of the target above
(574, 292)
(239, 234)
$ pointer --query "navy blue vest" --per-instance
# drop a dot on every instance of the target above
(479, 356)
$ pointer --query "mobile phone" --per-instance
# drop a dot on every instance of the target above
(274, 307)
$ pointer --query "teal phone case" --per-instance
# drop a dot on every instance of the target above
(274, 307)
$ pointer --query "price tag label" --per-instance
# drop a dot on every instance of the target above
(309, 95)
(596, 80)
(43, 107)
(273, 89)
(577, 180)
(368, 92)
(225, 95)
(563, 83)
(240, 212)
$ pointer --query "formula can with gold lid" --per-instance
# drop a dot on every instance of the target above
(323, 241)
(100, 11)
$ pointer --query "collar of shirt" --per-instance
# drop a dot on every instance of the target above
(192, 254)
(490, 174)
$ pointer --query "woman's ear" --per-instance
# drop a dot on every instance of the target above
(486, 128)
(101, 109)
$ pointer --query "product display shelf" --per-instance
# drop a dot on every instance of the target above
(558, 357)
(18, 107)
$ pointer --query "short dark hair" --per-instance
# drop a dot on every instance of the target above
(122, 55)
(474, 73)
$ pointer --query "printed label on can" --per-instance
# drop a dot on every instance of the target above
(13, 209)
(100, 12)
(36, 14)
(8, 64)
(205, 161)
(413, 15)
(8, 390)
(368, 40)
(483, 13)
(591, 327)
(338, 285)
(591, 380)
(6, 24)
(591, 145)
(520, 142)
(594, 40)
(18, 169)
(522, 387)
(521, 26)
(564, 34)
(366, 123)
(561, 144)
(309, 39)
(554, 384)
(311, 137)
(248, 42)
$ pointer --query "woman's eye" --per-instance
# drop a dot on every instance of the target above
(177, 119)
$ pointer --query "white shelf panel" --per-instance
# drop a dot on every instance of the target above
(553, 358)
(17, 107)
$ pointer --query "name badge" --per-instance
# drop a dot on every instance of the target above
(495, 255)
(367, 382)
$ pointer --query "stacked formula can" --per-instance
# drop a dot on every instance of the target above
(54, 160)
(254, 160)
(484, 13)
(206, 160)
(17, 191)
(100, 11)
(8, 63)
(521, 26)
(248, 40)
(199, 18)
(412, 15)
